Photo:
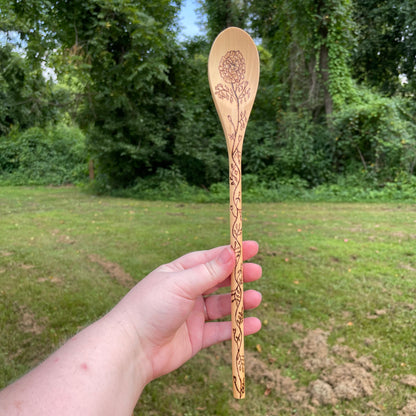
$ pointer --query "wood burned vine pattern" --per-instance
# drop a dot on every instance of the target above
(232, 69)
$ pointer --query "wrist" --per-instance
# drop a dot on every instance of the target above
(131, 349)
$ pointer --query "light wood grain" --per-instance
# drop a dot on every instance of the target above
(233, 73)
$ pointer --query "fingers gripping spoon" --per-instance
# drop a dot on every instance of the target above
(233, 74)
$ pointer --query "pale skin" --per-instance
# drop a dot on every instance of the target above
(160, 324)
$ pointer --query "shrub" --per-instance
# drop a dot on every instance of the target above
(376, 135)
(305, 149)
(52, 156)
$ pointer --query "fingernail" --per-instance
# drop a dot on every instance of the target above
(225, 256)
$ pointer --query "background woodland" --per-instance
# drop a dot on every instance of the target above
(113, 82)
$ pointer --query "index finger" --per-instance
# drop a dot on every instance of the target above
(250, 249)
(251, 273)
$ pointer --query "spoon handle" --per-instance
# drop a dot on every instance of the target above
(237, 308)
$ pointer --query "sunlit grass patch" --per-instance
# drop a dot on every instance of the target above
(337, 275)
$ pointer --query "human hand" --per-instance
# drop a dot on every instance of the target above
(172, 311)
(161, 323)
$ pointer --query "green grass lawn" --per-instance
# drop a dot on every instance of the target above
(338, 290)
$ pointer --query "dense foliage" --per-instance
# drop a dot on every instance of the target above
(43, 156)
(26, 99)
(335, 103)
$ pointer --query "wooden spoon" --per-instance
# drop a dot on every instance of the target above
(233, 74)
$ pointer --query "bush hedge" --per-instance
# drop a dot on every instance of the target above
(55, 155)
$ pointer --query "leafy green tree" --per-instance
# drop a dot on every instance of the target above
(387, 44)
(26, 98)
(310, 42)
(221, 14)
(129, 94)
(200, 151)
(120, 52)
(143, 97)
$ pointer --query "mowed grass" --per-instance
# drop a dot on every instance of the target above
(338, 291)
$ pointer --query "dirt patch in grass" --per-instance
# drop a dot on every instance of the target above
(62, 238)
(26, 266)
(342, 374)
(113, 269)
(274, 381)
(350, 381)
(409, 380)
(28, 323)
(314, 350)
(409, 409)
(65, 239)
(408, 267)
(51, 279)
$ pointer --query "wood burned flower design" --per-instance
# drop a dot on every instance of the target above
(235, 89)
(232, 67)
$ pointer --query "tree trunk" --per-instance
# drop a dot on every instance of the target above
(324, 70)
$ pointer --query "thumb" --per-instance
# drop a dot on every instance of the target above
(198, 279)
